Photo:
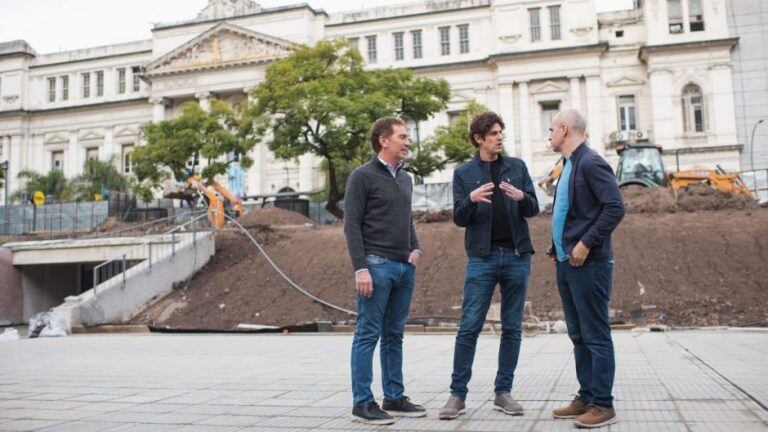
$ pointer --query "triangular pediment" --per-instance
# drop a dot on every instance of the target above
(126, 131)
(91, 135)
(626, 81)
(56, 138)
(221, 46)
(549, 87)
(460, 97)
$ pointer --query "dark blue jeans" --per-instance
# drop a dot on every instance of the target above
(382, 315)
(504, 267)
(586, 293)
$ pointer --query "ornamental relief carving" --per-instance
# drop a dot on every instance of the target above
(222, 48)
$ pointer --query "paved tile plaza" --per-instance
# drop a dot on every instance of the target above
(679, 381)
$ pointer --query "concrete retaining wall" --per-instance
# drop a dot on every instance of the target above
(11, 294)
(115, 301)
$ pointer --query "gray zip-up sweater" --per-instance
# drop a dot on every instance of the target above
(377, 214)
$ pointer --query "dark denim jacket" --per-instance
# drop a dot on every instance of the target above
(476, 217)
(595, 207)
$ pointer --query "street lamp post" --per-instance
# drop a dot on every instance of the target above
(752, 145)
(4, 168)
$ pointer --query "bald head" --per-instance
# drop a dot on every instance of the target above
(567, 130)
(572, 118)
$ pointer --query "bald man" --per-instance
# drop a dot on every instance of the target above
(587, 208)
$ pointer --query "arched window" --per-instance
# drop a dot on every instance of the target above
(693, 109)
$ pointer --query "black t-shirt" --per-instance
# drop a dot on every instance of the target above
(501, 234)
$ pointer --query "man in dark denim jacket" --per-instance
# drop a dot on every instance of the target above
(586, 210)
(492, 195)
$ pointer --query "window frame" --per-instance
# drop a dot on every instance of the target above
(86, 85)
(99, 83)
(135, 79)
(372, 49)
(445, 40)
(418, 50)
(554, 22)
(628, 109)
(690, 92)
(64, 87)
(398, 40)
(534, 29)
(463, 38)
(121, 77)
(51, 89)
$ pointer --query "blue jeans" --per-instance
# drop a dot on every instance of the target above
(504, 267)
(382, 315)
(586, 293)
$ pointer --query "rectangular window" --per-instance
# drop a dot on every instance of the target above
(548, 111)
(100, 83)
(417, 51)
(554, 22)
(64, 87)
(627, 116)
(354, 43)
(533, 15)
(454, 116)
(121, 81)
(445, 40)
(675, 16)
(371, 48)
(136, 84)
(86, 85)
(696, 15)
(57, 160)
(92, 153)
(51, 89)
(127, 160)
(464, 38)
(399, 49)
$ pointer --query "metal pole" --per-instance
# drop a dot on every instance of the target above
(7, 209)
(123, 269)
(752, 146)
(173, 243)
(149, 257)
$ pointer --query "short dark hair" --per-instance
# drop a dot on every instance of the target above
(482, 124)
(383, 128)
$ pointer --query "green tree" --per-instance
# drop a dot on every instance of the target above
(97, 175)
(174, 148)
(449, 145)
(53, 183)
(321, 100)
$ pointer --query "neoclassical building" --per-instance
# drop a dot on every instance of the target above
(660, 73)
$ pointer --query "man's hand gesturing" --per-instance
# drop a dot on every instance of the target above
(482, 193)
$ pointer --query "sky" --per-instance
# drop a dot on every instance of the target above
(62, 25)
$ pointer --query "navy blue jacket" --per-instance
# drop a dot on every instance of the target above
(595, 207)
(476, 217)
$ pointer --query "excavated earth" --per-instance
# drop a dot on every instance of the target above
(691, 266)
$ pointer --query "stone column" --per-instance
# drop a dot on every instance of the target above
(575, 96)
(71, 156)
(526, 151)
(595, 114)
(202, 98)
(662, 105)
(719, 111)
(158, 109)
(507, 113)
(306, 172)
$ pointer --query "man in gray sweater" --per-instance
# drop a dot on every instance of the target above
(385, 251)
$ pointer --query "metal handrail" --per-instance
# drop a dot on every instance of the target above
(121, 261)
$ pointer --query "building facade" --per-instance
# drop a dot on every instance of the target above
(748, 20)
(658, 73)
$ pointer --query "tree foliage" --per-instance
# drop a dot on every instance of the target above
(54, 183)
(175, 148)
(450, 144)
(96, 176)
(322, 100)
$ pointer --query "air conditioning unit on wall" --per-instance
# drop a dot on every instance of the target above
(619, 137)
(642, 135)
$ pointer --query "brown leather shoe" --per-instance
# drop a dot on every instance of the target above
(574, 409)
(595, 417)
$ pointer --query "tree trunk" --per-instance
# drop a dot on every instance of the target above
(334, 195)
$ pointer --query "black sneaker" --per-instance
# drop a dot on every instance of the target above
(370, 413)
(403, 408)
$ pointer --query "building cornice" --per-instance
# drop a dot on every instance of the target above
(125, 54)
(265, 11)
(25, 112)
(648, 49)
(600, 47)
(387, 18)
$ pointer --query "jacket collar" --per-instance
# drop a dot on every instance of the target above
(579, 152)
(376, 160)
(505, 161)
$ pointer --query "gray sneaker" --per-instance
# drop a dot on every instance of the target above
(452, 409)
(504, 403)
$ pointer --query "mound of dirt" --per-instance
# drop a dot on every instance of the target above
(690, 198)
(273, 216)
(703, 268)
(432, 216)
